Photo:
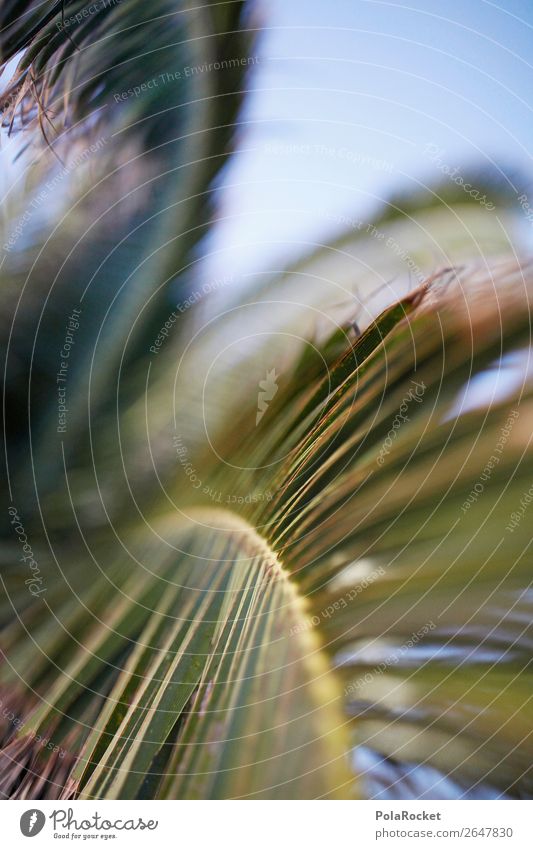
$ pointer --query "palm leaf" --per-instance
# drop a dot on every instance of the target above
(358, 495)
(131, 196)
(376, 542)
(187, 682)
(405, 492)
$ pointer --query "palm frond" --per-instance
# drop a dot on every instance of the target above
(403, 455)
(140, 143)
(402, 475)
(377, 542)
(177, 674)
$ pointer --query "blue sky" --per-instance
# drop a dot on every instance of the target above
(345, 98)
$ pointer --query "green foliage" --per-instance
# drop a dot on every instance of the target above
(224, 604)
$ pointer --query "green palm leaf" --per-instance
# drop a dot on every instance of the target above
(187, 682)
(228, 559)
(128, 149)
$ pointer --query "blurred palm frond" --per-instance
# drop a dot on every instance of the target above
(295, 536)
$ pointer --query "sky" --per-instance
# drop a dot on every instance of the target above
(346, 99)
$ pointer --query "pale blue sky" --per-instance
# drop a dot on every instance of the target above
(369, 81)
